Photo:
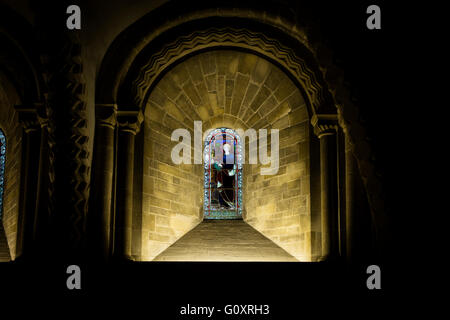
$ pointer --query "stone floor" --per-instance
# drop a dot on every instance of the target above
(4, 250)
(224, 240)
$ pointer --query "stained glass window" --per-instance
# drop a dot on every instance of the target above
(223, 175)
(2, 168)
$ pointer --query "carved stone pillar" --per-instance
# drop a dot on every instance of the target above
(40, 225)
(350, 173)
(102, 184)
(325, 127)
(28, 180)
(129, 123)
(69, 161)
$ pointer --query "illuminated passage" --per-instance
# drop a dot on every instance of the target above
(223, 175)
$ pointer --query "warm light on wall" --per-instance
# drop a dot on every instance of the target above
(232, 89)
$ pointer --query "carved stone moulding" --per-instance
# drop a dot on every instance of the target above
(324, 124)
(32, 117)
(231, 37)
(106, 115)
(130, 120)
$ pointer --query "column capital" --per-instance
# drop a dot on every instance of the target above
(130, 120)
(106, 115)
(28, 116)
(41, 115)
(324, 124)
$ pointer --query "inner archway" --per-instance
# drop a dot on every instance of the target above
(223, 175)
(227, 89)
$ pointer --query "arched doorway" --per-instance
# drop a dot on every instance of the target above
(256, 74)
(223, 175)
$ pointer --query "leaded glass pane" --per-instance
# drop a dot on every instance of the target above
(223, 175)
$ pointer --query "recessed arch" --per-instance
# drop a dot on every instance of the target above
(297, 67)
(118, 81)
(231, 89)
(11, 162)
(21, 85)
(146, 45)
(221, 47)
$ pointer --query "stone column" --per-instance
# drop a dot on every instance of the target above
(40, 225)
(129, 123)
(102, 184)
(350, 174)
(325, 127)
(69, 161)
(28, 180)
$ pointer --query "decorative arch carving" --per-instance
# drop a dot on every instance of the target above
(237, 38)
(124, 52)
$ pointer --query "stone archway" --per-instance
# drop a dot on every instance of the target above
(126, 90)
(237, 90)
(22, 120)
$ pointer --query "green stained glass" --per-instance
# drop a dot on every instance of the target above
(223, 175)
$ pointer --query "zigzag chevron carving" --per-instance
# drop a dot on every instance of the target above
(241, 38)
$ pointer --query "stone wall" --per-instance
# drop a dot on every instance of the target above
(13, 131)
(226, 88)
(171, 195)
(279, 205)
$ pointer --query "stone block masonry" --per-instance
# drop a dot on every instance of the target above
(226, 88)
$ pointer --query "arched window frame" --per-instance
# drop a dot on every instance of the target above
(207, 174)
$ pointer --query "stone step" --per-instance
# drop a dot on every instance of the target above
(224, 240)
(4, 249)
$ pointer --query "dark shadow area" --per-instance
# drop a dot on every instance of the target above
(290, 289)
